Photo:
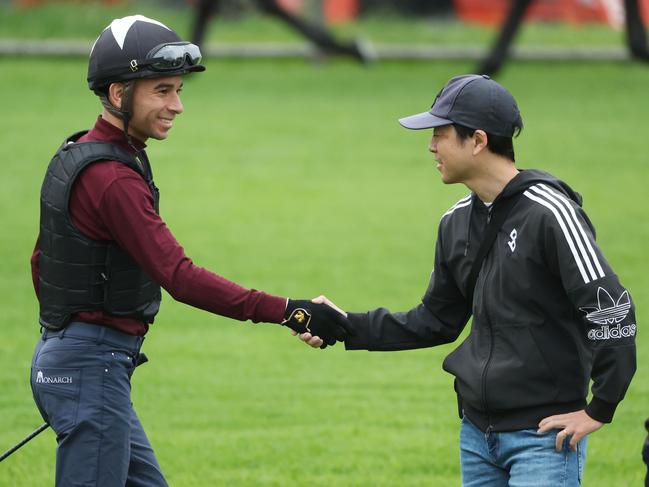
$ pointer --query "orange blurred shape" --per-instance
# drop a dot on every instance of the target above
(340, 11)
(493, 12)
(644, 11)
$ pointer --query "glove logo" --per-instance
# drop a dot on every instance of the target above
(608, 310)
(300, 319)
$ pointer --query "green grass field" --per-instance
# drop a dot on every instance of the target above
(295, 178)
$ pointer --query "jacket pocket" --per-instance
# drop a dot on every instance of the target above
(56, 392)
(466, 363)
(519, 374)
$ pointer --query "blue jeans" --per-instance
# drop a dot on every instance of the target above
(521, 458)
(81, 381)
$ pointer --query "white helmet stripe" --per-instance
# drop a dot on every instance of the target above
(120, 27)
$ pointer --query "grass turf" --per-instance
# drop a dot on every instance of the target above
(295, 178)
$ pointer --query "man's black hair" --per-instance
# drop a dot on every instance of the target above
(502, 146)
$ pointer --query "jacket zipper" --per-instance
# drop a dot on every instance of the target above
(491, 343)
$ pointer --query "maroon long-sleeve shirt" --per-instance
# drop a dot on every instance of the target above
(110, 201)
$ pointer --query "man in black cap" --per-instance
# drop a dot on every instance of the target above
(518, 254)
(104, 252)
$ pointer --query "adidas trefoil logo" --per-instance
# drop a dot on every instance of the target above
(608, 310)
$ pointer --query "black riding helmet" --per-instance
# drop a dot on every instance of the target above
(132, 48)
(139, 47)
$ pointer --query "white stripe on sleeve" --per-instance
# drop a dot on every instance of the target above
(591, 250)
(558, 204)
(566, 233)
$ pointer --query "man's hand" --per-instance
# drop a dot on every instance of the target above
(314, 340)
(578, 424)
(324, 324)
(322, 299)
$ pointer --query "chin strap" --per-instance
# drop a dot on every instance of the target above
(125, 110)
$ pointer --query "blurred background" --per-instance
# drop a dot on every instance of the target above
(288, 172)
(455, 29)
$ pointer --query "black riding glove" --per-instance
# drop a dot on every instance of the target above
(320, 320)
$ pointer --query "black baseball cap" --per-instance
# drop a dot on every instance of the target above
(473, 100)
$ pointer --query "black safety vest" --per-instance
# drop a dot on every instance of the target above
(75, 272)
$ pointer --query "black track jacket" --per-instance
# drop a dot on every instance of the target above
(548, 312)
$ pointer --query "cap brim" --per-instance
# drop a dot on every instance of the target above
(423, 120)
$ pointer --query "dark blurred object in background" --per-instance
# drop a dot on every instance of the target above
(636, 36)
(407, 7)
(317, 34)
(645, 453)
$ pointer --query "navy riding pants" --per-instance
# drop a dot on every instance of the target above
(81, 381)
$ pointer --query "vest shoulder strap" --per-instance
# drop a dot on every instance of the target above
(83, 153)
(72, 157)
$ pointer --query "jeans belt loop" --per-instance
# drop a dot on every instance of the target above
(62, 334)
(100, 336)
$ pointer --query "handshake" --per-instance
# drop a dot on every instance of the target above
(318, 322)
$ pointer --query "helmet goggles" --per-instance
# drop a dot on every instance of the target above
(170, 57)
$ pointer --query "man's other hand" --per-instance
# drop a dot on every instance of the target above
(576, 425)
